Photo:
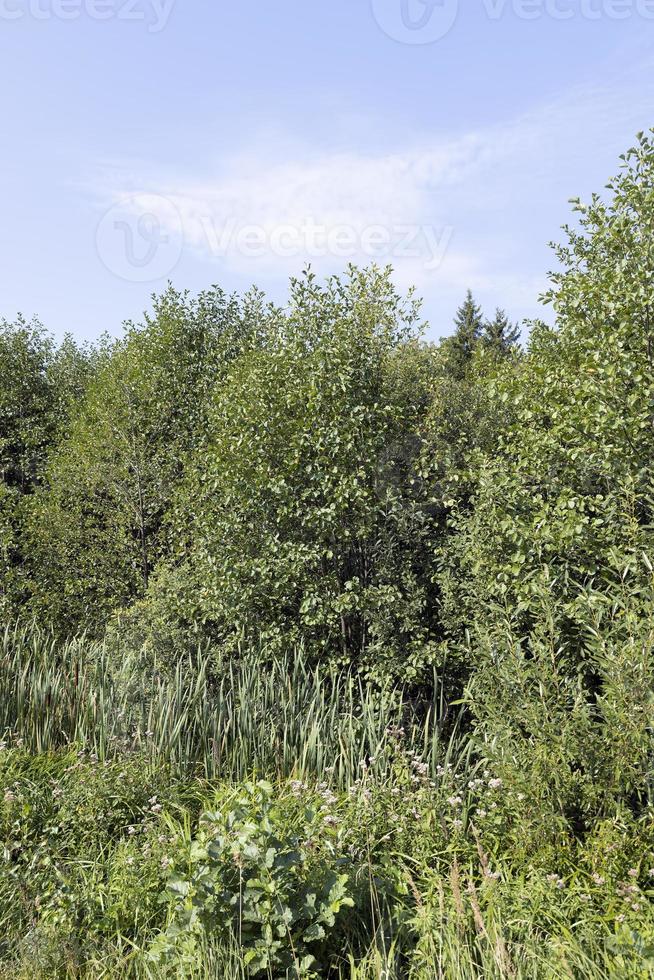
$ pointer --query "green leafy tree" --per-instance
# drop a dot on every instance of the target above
(97, 528)
(39, 384)
(303, 518)
(555, 557)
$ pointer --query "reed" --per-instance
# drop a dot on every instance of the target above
(212, 716)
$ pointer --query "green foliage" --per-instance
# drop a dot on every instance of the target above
(39, 384)
(500, 336)
(97, 529)
(468, 330)
(302, 514)
(246, 874)
(410, 585)
(570, 488)
(550, 567)
(255, 872)
(286, 720)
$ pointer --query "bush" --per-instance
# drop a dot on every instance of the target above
(249, 876)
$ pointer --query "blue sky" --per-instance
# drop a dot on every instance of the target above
(210, 142)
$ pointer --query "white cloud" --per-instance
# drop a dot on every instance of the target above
(448, 213)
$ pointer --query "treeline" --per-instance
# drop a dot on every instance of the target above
(232, 471)
(320, 477)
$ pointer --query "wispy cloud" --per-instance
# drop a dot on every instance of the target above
(447, 213)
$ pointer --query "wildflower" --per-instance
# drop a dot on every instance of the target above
(3, 746)
(156, 808)
(495, 783)
(585, 897)
(556, 881)
(9, 796)
(481, 814)
(130, 860)
(619, 918)
(651, 872)
(598, 879)
(457, 824)
(454, 800)
(131, 831)
(494, 875)
(633, 872)
(166, 862)
(330, 820)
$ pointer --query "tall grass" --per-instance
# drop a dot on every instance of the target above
(217, 718)
(211, 716)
